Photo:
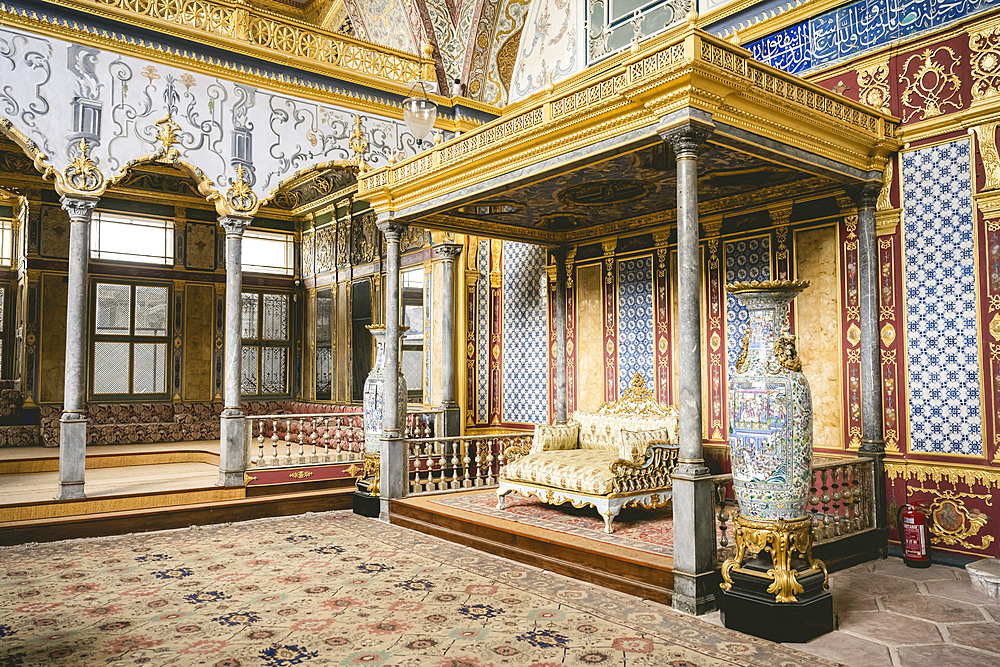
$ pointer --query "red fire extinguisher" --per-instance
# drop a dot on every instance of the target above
(913, 535)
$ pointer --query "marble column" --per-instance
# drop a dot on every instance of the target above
(448, 252)
(232, 434)
(560, 317)
(73, 422)
(393, 467)
(872, 442)
(694, 510)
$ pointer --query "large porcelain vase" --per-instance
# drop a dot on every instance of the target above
(770, 409)
(374, 394)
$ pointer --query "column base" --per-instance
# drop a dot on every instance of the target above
(232, 448)
(760, 616)
(70, 491)
(72, 456)
(367, 505)
(694, 594)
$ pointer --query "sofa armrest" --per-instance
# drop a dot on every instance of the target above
(652, 473)
(514, 452)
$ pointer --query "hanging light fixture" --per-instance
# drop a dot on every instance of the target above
(419, 112)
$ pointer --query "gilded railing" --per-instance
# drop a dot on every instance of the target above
(696, 49)
(238, 25)
(841, 502)
(460, 462)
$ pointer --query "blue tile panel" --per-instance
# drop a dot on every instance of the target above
(857, 28)
(635, 320)
(525, 334)
(428, 332)
(483, 334)
(746, 259)
(940, 271)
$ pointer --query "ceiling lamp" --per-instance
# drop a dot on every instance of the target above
(419, 112)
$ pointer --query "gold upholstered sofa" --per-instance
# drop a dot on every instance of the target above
(620, 456)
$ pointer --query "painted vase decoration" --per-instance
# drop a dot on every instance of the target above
(770, 409)
(374, 394)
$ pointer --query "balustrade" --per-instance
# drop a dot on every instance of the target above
(292, 440)
(461, 462)
(841, 502)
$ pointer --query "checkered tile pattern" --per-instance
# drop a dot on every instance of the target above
(483, 334)
(938, 233)
(746, 259)
(635, 320)
(525, 334)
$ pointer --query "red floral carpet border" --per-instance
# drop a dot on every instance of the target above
(645, 530)
(331, 589)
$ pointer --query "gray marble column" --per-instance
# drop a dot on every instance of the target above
(560, 316)
(393, 468)
(872, 442)
(694, 510)
(232, 435)
(448, 252)
(73, 422)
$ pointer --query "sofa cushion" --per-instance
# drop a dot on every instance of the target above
(555, 437)
(635, 442)
(584, 470)
(603, 431)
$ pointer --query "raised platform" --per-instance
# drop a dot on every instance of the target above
(134, 488)
(646, 573)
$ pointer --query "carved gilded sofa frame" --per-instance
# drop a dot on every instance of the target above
(645, 483)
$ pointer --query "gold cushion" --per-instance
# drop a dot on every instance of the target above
(604, 431)
(555, 437)
(583, 470)
(635, 443)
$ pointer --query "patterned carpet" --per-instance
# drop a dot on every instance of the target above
(635, 528)
(330, 589)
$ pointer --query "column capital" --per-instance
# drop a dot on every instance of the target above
(866, 195)
(235, 225)
(685, 139)
(392, 229)
(448, 251)
(78, 208)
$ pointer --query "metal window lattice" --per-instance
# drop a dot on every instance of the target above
(274, 362)
(111, 371)
(150, 311)
(248, 370)
(250, 306)
(113, 311)
(275, 317)
(149, 368)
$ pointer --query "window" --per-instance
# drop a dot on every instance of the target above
(128, 238)
(413, 340)
(130, 339)
(268, 252)
(6, 242)
(264, 368)
(361, 337)
(324, 345)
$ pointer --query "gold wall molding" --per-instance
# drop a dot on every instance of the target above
(933, 88)
(986, 140)
(952, 523)
(984, 47)
(873, 85)
(922, 472)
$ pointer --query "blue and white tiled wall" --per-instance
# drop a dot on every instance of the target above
(483, 334)
(745, 260)
(525, 334)
(635, 320)
(940, 285)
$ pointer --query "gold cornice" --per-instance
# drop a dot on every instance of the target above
(696, 71)
(921, 472)
(887, 221)
(78, 33)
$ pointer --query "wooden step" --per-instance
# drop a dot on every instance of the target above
(640, 573)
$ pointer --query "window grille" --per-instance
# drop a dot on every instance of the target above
(130, 338)
(6, 242)
(266, 344)
(412, 359)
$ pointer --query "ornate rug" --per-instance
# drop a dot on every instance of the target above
(634, 528)
(330, 589)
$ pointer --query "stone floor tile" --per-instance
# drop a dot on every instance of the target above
(960, 590)
(847, 649)
(845, 600)
(889, 628)
(933, 608)
(978, 635)
(873, 584)
(896, 567)
(944, 655)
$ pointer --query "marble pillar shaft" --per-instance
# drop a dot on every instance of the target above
(560, 324)
(73, 422)
(393, 469)
(232, 446)
(450, 425)
(868, 297)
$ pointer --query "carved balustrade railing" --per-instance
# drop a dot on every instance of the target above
(460, 462)
(274, 441)
(240, 24)
(841, 502)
